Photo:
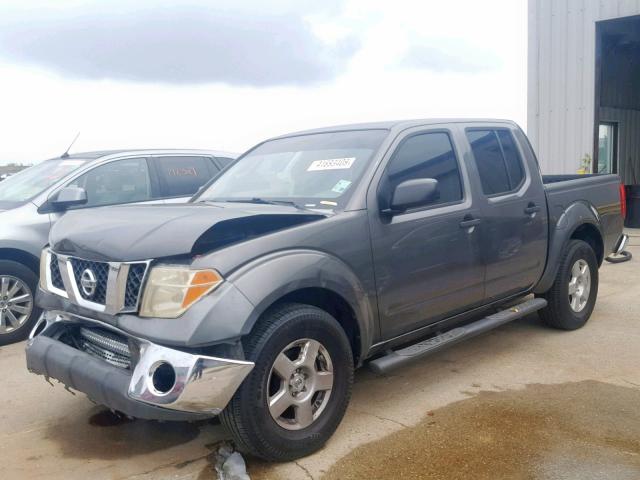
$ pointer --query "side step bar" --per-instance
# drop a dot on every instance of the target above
(397, 358)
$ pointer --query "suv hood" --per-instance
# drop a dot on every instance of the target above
(142, 232)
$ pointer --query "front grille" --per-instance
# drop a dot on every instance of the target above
(56, 277)
(109, 346)
(100, 271)
(134, 283)
(91, 282)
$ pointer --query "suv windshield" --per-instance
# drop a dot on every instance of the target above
(315, 170)
(23, 186)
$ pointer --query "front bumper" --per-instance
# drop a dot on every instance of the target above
(201, 387)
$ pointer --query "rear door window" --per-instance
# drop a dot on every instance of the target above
(497, 159)
(183, 176)
(511, 158)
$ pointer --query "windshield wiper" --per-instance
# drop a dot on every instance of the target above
(264, 201)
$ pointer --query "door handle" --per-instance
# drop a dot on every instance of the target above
(531, 209)
(470, 222)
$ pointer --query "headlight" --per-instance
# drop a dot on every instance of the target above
(44, 268)
(170, 290)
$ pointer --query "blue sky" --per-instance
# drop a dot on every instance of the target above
(225, 75)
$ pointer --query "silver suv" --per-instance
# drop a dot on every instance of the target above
(34, 199)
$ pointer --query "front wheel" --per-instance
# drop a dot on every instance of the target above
(572, 296)
(297, 393)
(18, 313)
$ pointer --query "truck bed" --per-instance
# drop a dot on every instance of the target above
(598, 191)
(548, 179)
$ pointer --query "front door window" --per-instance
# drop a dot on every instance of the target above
(118, 182)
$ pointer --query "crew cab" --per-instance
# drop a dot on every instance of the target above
(313, 254)
(34, 199)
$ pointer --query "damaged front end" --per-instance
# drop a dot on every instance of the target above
(136, 232)
(131, 375)
(131, 321)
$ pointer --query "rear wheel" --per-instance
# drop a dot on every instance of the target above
(18, 313)
(572, 296)
(296, 395)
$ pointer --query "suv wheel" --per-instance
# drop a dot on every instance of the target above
(18, 313)
(572, 296)
(296, 395)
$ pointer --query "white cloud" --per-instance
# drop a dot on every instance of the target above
(43, 107)
(182, 44)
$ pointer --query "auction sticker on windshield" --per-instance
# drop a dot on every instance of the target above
(331, 164)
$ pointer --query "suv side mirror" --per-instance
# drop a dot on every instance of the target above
(69, 197)
(413, 193)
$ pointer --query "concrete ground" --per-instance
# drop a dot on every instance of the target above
(523, 401)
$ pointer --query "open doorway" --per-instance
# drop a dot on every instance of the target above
(617, 113)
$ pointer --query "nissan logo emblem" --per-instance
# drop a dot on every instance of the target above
(88, 282)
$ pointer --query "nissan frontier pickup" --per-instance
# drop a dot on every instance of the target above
(313, 254)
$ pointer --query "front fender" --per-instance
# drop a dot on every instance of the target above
(577, 214)
(269, 278)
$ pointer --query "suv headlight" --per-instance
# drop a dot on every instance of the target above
(171, 290)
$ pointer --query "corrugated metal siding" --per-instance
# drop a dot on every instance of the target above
(561, 79)
(628, 141)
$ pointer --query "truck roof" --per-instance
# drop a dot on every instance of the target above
(399, 125)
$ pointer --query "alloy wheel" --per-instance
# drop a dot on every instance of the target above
(579, 285)
(300, 384)
(16, 303)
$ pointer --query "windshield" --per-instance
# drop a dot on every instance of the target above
(28, 183)
(313, 171)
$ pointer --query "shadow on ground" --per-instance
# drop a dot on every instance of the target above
(111, 437)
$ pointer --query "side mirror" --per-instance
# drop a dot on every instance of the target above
(413, 193)
(69, 197)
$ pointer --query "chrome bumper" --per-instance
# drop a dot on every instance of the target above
(201, 385)
(620, 244)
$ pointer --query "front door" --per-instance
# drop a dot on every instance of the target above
(514, 210)
(427, 260)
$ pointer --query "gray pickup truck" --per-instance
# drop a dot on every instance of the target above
(34, 199)
(313, 254)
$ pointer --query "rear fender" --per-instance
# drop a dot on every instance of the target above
(576, 215)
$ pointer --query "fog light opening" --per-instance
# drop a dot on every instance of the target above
(163, 378)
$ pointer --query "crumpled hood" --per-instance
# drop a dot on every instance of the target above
(141, 232)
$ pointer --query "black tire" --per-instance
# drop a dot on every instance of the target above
(247, 416)
(558, 313)
(30, 279)
(622, 257)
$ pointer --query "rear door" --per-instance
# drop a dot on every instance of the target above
(427, 261)
(514, 233)
(180, 176)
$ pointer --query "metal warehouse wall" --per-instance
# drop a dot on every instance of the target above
(561, 78)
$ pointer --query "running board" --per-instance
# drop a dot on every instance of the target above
(397, 358)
